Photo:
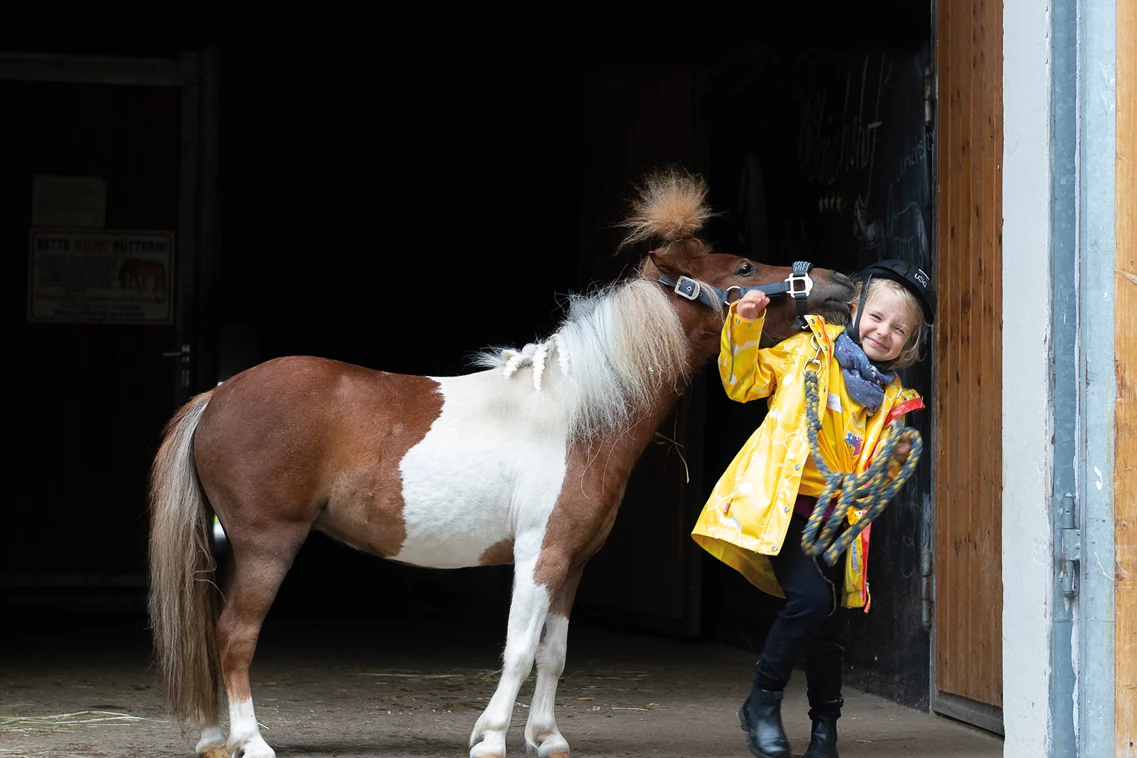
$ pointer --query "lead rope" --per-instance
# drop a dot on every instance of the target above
(870, 491)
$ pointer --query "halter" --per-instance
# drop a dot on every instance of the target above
(797, 285)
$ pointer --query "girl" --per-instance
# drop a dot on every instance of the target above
(754, 518)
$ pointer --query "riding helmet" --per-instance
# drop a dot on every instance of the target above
(912, 277)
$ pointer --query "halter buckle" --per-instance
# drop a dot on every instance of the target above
(799, 285)
(688, 288)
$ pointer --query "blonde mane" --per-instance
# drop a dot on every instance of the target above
(622, 347)
(671, 206)
(617, 350)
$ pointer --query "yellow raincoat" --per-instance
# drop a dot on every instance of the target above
(746, 517)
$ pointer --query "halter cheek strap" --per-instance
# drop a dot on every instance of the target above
(797, 285)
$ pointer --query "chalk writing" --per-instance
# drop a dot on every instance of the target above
(831, 144)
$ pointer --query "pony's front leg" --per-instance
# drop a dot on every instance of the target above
(527, 610)
(541, 733)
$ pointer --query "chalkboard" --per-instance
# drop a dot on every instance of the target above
(823, 156)
(826, 155)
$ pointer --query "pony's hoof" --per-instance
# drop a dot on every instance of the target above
(254, 748)
(475, 754)
(557, 752)
(552, 746)
(212, 743)
(488, 749)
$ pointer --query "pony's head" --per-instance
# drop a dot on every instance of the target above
(670, 210)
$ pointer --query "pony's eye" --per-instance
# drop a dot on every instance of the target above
(745, 269)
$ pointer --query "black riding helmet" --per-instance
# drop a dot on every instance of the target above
(913, 278)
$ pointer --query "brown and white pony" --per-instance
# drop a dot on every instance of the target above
(524, 462)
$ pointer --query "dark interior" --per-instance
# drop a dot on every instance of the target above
(402, 206)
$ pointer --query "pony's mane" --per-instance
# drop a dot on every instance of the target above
(671, 206)
(621, 347)
(618, 348)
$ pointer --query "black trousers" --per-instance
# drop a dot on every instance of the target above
(808, 624)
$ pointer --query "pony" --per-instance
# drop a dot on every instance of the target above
(523, 461)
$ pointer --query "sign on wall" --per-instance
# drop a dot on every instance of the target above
(100, 276)
(69, 201)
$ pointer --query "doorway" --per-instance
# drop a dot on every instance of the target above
(101, 159)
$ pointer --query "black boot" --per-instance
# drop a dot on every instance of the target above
(823, 740)
(761, 719)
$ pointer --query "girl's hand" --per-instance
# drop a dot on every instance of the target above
(753, 304)
(902, 450)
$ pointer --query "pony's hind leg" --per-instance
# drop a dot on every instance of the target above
(541, 732)
(527, 611)
(212, 743)
(213, 738)
(259, 564)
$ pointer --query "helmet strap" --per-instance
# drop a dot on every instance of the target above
(856, 325)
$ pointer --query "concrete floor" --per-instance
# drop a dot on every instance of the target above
(349, 690)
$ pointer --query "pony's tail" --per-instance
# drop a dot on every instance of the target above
(183, 599)
(671, 206)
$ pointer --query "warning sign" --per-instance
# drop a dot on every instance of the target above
(100, 277)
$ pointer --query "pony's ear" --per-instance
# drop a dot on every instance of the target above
(674, 258)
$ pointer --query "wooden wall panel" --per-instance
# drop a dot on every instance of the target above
(1125, 410)
(968, 443)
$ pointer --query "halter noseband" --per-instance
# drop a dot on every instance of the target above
(797, 285)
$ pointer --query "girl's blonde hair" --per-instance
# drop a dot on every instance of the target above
(912, 312)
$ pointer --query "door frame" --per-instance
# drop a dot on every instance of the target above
(1061, 103)
(196, 74)
(1089, 549)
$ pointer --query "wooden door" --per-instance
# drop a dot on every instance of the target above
(87, 385)
(1125, 410)
(968, 461)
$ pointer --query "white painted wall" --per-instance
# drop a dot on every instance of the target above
(1027, 543)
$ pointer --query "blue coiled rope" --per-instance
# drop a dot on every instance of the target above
(870, 491)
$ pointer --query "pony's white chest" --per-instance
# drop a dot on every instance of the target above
(480, 476)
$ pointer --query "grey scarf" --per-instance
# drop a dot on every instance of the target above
(864, 382)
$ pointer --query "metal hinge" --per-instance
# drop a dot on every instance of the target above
(927, 588)
(1071, 548)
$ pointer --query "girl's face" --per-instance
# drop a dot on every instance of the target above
(885, 327)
